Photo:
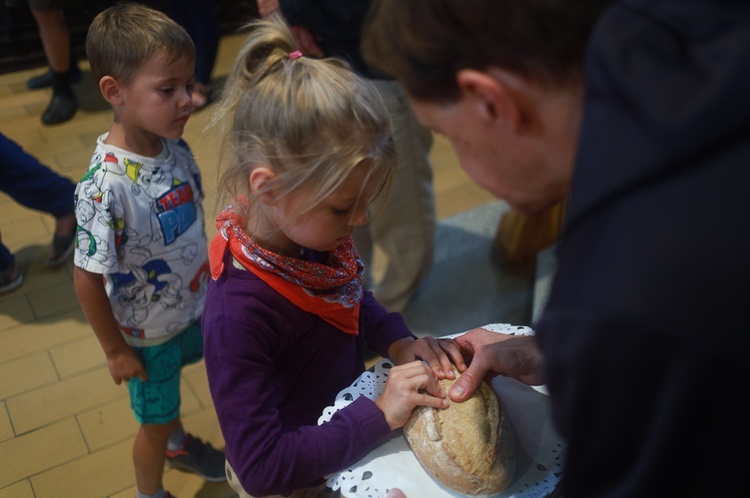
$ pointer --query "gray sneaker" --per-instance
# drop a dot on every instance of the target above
(199, 458)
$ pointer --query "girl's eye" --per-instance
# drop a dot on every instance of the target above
(167, 90)
(341, 212)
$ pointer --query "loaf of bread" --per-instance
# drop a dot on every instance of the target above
(467, 447)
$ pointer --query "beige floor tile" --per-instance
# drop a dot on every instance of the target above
(37, 451)
(189, 402)
(42, 335)
(59, 299)
(78, 356)
(63, 399)
(108, 424)
(25, 228)
(15, 309)
(38, 278)
(21, 489)
(6, 430)
(24, 374)
(96, 475)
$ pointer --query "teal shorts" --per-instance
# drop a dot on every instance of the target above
(157, 401)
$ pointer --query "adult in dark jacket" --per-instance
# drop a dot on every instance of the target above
(640, 113)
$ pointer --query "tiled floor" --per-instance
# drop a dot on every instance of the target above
(66, 429)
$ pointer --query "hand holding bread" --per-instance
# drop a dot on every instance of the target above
(408, 386)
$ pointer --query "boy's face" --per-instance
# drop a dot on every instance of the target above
(156, 101)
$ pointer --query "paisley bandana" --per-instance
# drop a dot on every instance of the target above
(332, 291)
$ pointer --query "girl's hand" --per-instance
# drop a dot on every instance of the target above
(407, 387)
(440, 354)
(124, 365)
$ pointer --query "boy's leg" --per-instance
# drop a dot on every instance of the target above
(156, 403)
(149, 453)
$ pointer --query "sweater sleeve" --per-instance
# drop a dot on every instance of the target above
(381, 327)
(267, 458)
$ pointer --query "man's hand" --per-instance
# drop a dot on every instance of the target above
(495, 354)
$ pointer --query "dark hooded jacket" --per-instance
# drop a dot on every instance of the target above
(646, 332)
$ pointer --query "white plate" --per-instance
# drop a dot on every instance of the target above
(393, 465)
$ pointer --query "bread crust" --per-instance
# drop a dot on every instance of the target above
(468, 446)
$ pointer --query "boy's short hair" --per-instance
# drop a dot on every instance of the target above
(123, 37)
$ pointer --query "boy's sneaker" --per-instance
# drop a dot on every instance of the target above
(199, 458)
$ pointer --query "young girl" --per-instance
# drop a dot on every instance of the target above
(286, 319)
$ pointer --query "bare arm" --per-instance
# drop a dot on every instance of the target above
(122, 362)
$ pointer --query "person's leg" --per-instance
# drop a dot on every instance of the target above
(149, 454)
(55, 37)
(35, 186)
(31, 183)
(405, 228)
(200, 20)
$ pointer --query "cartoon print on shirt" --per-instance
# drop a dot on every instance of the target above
(93, 248)
(131, 212)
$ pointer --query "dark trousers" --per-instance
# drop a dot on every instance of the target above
(33, 185)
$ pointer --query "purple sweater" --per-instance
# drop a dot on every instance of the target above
(273, 368)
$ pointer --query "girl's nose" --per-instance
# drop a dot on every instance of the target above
(360, 216)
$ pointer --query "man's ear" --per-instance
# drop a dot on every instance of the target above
(498, 96)
(111, 90)
(260, 181)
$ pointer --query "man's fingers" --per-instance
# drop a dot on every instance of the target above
(467, 384)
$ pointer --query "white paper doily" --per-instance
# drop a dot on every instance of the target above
(393, 465)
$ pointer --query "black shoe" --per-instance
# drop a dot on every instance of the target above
(44, 80)
(199, 458)
(60, 109)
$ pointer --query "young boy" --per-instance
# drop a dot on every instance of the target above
(141, 259)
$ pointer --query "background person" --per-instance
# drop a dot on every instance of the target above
(63, 71)
(34, 185)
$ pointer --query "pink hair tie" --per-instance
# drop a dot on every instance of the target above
(295, 55)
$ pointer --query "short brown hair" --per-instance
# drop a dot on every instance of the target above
(424, 43)
(123, 37)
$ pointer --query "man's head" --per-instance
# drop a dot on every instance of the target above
(502, 79)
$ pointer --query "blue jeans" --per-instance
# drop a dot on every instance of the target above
(33, 185)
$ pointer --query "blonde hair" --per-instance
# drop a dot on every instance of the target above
(312, 121)
(125, 36)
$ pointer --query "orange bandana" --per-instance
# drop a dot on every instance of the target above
(332, 291)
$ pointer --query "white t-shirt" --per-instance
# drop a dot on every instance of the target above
(141, 225)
